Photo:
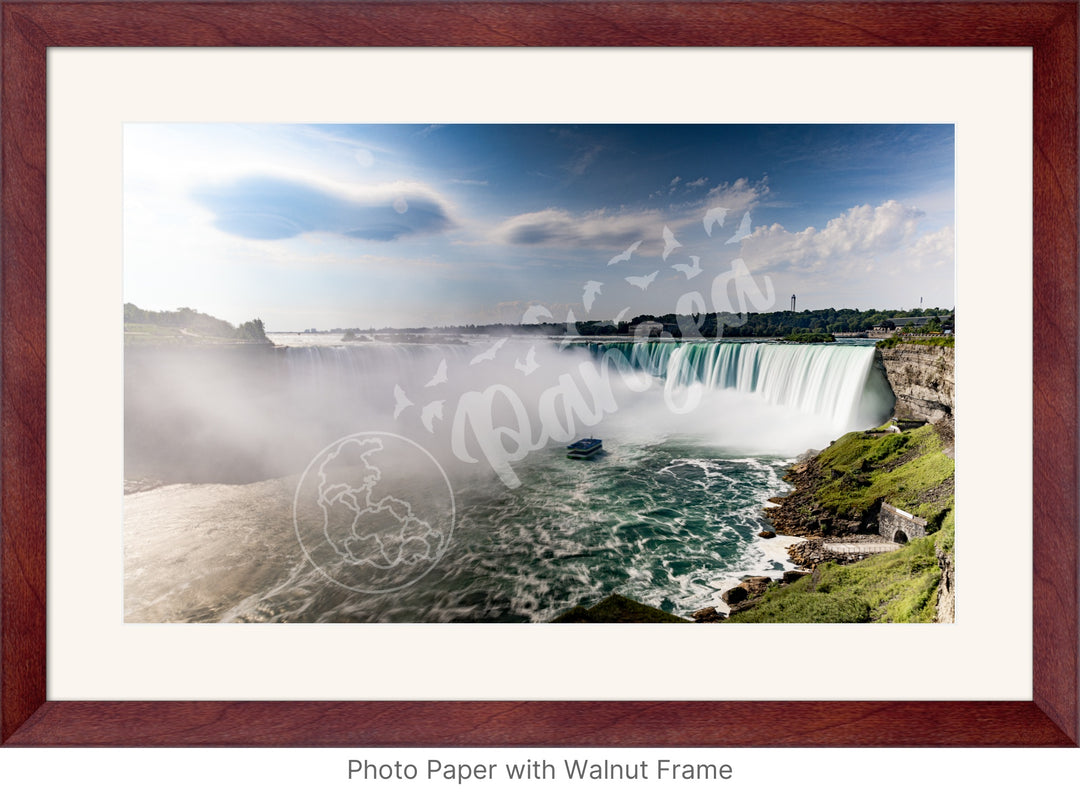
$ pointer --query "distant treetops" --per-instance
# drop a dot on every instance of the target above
(191, 323)
(810, 337)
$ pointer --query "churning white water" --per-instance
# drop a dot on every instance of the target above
(696, 435)
(827, 381)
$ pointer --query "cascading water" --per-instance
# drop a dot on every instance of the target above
(836, 383)
(669, 515)
(829, 381)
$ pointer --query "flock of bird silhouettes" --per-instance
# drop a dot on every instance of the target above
(433, 411)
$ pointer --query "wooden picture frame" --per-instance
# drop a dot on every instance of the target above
(28, 718)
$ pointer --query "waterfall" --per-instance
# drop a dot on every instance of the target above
(246, 414)
(835, 382)
(363, 372)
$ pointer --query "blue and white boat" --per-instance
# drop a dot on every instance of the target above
(584, 448)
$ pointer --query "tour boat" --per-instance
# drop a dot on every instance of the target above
(583, 448)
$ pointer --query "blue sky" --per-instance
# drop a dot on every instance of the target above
(400, 225)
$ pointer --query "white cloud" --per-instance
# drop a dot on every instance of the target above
(583, 159)
(560, 228)
(678, 184)
(935, 250)
(280, 206)
(863, 238)
(741, 195)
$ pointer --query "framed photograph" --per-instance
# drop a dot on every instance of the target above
(383, 267)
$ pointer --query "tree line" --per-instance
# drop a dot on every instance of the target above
(711, 324)
(197, 322)
(773, 324)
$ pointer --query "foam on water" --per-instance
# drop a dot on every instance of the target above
(669, 514)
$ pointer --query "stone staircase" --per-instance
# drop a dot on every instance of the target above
(862, 548)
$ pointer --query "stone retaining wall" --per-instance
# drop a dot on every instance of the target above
(898, 526)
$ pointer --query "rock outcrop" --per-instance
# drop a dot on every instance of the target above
(708, 615)
(746, 594)
(800, 515)
(946, 601)
(616, 609)
(921, 377)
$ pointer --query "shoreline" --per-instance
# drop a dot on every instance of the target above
(836, 515)
(776, 550)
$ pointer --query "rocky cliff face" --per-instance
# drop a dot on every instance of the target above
(946, 603)
(922, 379)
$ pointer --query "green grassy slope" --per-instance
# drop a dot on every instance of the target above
(848, 480)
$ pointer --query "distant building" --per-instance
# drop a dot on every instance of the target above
(902, 322)
(894, 325)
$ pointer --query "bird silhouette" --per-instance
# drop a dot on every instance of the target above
(743, 232)
(625, 255)
(619, 317)
(690, 270)
(489, 354)
(670, 243)
(530, 364)
(534, 313)
(440, 375)
(643, 282)
(430, 413)
(401, 401)
(714, 216)
(592, 289)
